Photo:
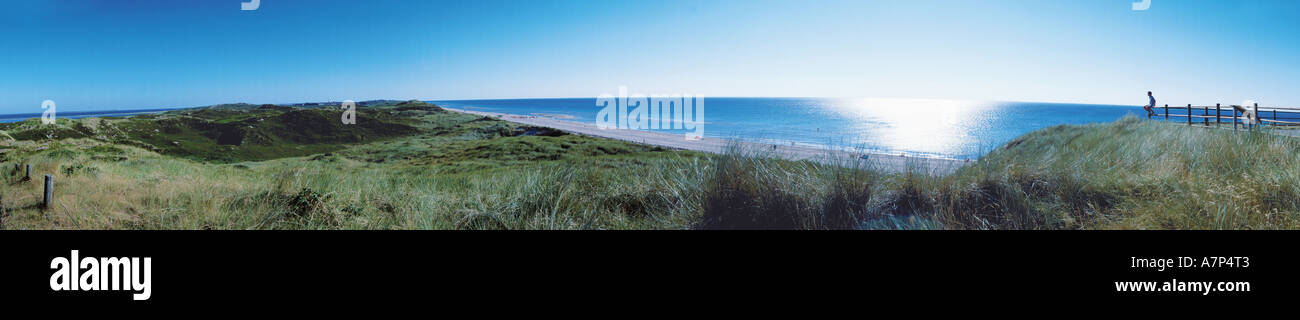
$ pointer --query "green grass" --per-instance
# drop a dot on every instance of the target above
(457, 171)
(1147, 175)
(240, 132)
(1130, 174)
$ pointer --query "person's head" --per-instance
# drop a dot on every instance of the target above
(1148, 93)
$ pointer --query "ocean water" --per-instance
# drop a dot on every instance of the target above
(915, 127)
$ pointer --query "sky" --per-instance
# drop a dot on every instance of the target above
(138, 54)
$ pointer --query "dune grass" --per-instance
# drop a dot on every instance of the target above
(1135, 174)
(477, 173)
(133, 188)
(1130, 174)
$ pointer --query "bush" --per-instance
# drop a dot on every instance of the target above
(75, 169)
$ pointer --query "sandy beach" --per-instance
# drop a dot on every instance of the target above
(891, 163)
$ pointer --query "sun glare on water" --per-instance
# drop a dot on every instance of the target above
(925, 125)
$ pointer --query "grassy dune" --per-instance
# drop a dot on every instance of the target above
(152, 191)
(456, 171)
(1130, 174)
(1146, 175)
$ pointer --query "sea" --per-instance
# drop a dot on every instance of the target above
(950, 129)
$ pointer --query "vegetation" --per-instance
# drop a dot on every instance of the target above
(1130, 174)
(411, 165)
(453, 171)
(237, 133)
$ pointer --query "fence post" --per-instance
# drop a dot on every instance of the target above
(1205, 111)
(1257, 120)
(1166, 111)
(1251, 128)
(49, 191)
(1234, 119)
(1189, 114)
(29, 172)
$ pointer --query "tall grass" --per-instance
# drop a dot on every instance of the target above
(1129, 174)
(751, 190)
(1141, 174)
(139, 189)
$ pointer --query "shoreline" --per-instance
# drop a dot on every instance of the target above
(886, 162)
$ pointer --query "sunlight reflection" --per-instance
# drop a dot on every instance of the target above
(924, 125)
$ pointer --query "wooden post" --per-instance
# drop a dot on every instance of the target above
(1189, 114)
(1166, 111)
(1205, 111)
(1234, 119)
(29, 172)
(1259, 118)
(49, 191)
(1257, 122)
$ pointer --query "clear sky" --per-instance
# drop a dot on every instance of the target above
(132, 54)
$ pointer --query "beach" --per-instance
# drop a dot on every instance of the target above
(886, 162)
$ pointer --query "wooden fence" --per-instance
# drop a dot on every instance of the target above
(1217, 114)
(47, 201)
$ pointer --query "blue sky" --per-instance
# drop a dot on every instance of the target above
(132, 54)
